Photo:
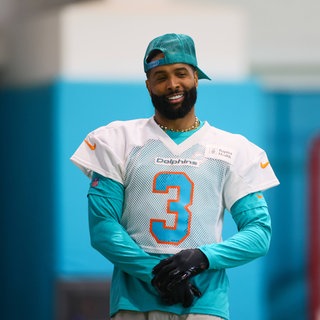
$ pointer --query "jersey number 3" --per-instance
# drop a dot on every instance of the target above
(179, 231)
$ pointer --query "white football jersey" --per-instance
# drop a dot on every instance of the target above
(175, 194)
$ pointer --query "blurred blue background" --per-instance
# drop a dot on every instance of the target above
(55, 88)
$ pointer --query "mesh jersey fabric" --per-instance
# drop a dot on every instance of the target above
(178, 192)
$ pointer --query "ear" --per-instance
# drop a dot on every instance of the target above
(148, 86)
(196, 79)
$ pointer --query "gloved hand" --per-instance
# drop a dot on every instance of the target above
(179, 267)
(183, 293)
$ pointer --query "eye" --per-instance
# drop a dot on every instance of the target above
(181, 74)
(160, 78)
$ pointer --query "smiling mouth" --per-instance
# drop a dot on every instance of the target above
(176, 98)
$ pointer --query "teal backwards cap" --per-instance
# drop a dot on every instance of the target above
(177, 48)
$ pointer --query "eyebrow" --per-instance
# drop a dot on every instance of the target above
(175, 70)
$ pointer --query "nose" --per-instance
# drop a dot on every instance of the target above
(173, 83)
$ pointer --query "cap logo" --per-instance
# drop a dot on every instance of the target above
(154, 64)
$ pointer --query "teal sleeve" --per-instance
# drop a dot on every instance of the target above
(252, 240)
(105, 202)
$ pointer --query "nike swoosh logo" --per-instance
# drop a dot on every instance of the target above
(264, 165)
(91, 146)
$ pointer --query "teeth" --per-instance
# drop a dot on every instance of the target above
(178, 96)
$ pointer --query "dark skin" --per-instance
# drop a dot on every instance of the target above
(172, 81)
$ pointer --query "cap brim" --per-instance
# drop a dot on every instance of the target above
(202, 75)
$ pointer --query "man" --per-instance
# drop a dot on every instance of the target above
(158, 194)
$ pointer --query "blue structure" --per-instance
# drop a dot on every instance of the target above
(44, 210)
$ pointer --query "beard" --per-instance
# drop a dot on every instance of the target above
(166, 109)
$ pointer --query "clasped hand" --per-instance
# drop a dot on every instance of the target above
(171, 276)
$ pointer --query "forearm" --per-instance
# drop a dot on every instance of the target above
(252, 240)
(109, 237)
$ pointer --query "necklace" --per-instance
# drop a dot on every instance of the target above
(195, 125)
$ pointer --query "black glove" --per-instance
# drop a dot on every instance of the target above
(183, 293)
(179, 267)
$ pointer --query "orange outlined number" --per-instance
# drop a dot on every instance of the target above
(179, 231)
